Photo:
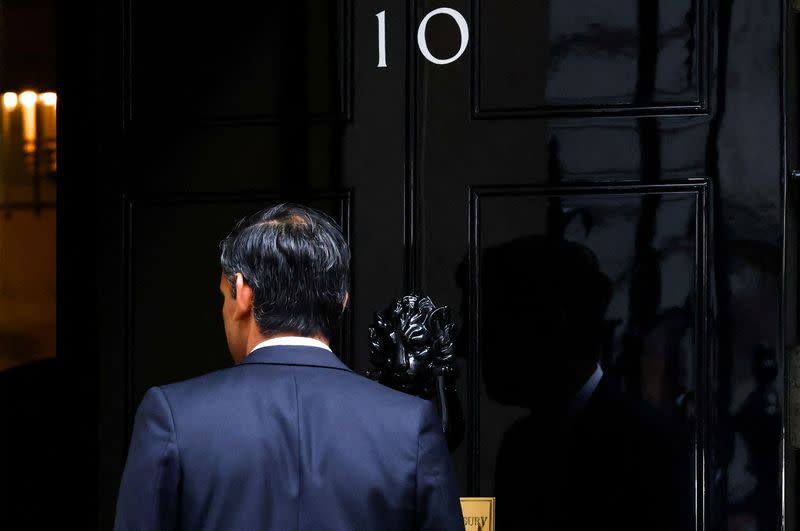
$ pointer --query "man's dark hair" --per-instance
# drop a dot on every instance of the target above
(296, 261)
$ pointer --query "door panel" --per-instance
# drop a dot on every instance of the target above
(285, 58)
(537, 287)
(528, 56)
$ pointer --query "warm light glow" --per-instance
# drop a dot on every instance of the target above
(48, 98)
(10, 100)
(27, 98)
(28, 101)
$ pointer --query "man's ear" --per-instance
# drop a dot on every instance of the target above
(346, 300)
(244, 299)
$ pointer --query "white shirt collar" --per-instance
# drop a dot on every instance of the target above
(292, 340)
(586, 391)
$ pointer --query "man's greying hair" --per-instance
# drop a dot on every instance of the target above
(296, 261)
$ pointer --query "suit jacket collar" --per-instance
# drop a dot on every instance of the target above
(300, 355)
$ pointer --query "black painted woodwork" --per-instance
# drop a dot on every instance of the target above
(651, 133)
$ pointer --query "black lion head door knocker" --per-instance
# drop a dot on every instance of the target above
(411, 347)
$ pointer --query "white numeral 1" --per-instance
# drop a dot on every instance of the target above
(381, 39)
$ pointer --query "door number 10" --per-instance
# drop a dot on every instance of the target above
(422, 42)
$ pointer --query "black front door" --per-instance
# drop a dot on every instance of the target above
(597, 189)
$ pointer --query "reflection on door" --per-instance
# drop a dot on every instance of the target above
(587, 354)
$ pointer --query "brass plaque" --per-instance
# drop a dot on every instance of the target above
(478, 514)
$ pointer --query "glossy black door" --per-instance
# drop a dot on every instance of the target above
(593, 185)
(622, 142)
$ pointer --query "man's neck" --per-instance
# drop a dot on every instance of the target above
(259, 338)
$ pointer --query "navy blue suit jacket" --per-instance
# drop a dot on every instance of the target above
(289, 439)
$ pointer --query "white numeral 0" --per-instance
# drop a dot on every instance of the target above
(422, 42)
